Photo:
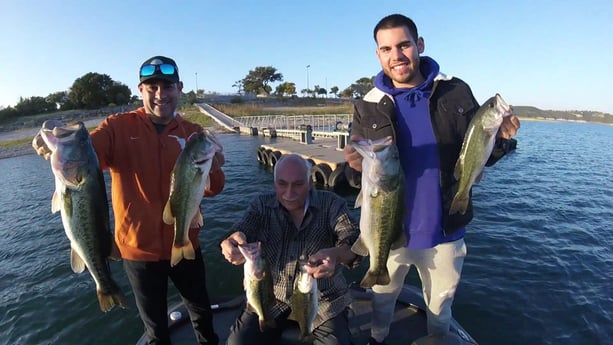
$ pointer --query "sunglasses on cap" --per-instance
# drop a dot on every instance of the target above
(149, 70)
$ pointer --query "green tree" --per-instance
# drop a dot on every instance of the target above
(348, 93)
(119, 94)
(239, 85)
(314, 91)
(94, 90)
(59, 98)
(362, 86)
(334, 91)
(189, 98)
(8, 113)
(286, 89)
(34, 105)
(257, 80)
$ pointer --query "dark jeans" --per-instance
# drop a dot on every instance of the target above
(149, 281)
(246, 331)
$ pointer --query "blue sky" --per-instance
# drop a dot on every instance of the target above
(548, 54)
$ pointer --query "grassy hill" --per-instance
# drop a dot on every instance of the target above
(578, 115)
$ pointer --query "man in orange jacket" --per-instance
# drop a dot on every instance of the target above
(140, 149)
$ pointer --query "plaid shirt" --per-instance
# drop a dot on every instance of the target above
(326, 224)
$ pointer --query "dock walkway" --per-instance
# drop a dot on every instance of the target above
(320, 139)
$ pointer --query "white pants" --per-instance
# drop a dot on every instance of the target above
(439, 269)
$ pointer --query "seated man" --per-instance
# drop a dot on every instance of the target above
(293, 222)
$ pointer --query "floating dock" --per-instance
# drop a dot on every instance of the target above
(320, 139)
(326, 157)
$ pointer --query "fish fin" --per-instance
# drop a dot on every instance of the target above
(115, 254)
(167, 216)
(459, 204)
(400, 242)
(370, 278)
(197, 221)
(359, 247)
(358, 199)
(457, 171)
(267, 324)
(306, 337)
(76, 263)
(179, 253)
(56, 202)
(108, 300)
(479, 177)
(306, 333)
(384, 277)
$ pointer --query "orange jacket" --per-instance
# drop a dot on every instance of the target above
(141, 162)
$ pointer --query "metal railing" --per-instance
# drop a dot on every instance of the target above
(327, 122)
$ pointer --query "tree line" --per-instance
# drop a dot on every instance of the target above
(95, 90)
(258, 81)
(91, 91)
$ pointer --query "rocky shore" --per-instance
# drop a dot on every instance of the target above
(15, 151)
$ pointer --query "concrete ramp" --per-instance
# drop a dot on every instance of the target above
(222, 119)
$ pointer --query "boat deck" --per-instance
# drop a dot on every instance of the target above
(409, 323)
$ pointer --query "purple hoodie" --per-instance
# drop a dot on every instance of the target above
(419, 159)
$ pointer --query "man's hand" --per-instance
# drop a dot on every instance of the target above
(352, 157)
(218, 161)
(508, 128)
(38, 144)
(322, 264)
(229, 248)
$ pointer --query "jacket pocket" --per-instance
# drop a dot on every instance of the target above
(377, 127)
(456, 106)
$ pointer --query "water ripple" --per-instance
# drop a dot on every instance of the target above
(538, 270)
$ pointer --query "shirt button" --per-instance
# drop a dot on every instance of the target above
(374, 126)
(461, 110)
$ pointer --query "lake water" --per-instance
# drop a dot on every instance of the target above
(539, 268)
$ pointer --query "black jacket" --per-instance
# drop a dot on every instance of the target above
(452, 106)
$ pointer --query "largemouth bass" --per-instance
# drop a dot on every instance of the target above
(304, 302)
(190, 177)
(382, 203)
(258, 284)
(80, 196)
(476, 149)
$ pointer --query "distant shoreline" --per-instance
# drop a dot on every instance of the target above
(556, 120)
(26, 149)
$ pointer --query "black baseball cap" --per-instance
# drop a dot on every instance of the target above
(159, 67)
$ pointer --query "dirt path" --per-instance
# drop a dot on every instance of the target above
(24, 133)
(31, 132)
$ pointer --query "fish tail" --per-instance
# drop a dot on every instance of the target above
(267, 324)
(108, 300)
(372, 278)
(179, 253)
(459, 204)
(306, 337)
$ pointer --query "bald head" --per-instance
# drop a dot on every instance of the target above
(295, 162)
(292, 176)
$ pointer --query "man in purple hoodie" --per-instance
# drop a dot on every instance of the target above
(427, 113)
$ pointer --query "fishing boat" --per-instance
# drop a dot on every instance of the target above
(408, 326)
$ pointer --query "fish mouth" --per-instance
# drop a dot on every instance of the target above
(502, 106)
(59, 130)
(202, 161)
